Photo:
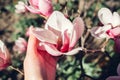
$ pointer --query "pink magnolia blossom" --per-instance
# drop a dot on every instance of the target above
(20, 7)
(60, 35)
(20, 45)
(115, 77)
(110, 28)
(42, 7)
(4, 56)
(111, 24)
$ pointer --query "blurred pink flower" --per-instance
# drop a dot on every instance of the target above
(20, 45)
(42, 7)
(27, 34)
(20, 7)
(111, 24)
(4, 56)
(60, 35)
(115, 77)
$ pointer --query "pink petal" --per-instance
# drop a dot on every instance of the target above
(34, 3)
(45, 35)
(105, 16)
(56, 32)
(114, 32)
(113, 78)
(100, 32)
(45, 6)
(33, 10)
(73, 51)
(116, 19)
(59, 22)
(51, 49)
(4, 56)
(65, 40)
(77, 31)
(118, 69)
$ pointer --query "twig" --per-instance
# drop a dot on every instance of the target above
(107, 54)
(82, 42)
(16, 69)
(83, 39)
(80, 57)
(91, 51)
(105, 43)
(87, 34)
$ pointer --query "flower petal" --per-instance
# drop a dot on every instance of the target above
(100, 32)
(33, 10)
(59, 22)
(47, 9)
(116, 19)
(77, 31)
(113, 78)
(45, 35)
(105, 15)
(51, 49)
(20, 7)
(65, 40)
(4, 56)
(73, 51)
(34, 3)
(114, 32)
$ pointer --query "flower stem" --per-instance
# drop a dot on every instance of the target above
(16, 69)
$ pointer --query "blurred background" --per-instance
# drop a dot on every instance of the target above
(96, 65)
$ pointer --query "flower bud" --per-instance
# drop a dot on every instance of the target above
(20, 45)
(4, 56)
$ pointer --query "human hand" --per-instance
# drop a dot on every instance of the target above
(38, 65)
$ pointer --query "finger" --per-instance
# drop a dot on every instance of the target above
(32, 43)
(33, 64)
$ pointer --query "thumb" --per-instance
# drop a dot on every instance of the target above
(32, 43)
(32, 63)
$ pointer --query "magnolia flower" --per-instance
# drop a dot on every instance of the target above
(115, 77)
(4, 56)
(20, 45)
(20, 7)
(42, 7)
(111, 24)
(60, 35)
(110, 28)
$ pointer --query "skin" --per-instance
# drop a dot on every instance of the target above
(38, 65)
